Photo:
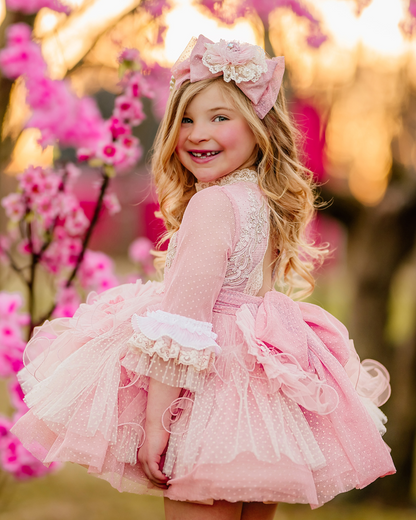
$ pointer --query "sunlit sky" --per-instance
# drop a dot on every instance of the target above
(376, 30)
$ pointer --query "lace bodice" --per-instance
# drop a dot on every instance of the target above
(220, 245)
(234, 200)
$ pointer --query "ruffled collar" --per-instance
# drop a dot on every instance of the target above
(231, 178)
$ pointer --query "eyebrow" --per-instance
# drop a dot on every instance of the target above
(220, 108)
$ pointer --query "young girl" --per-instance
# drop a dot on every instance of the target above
(213, 389)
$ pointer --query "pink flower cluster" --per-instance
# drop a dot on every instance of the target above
(140, 253)
(228, 13)
(118, 147)
(33, 6)
(97, 272)
(14, 458)
(21, 55)
(56, 110)
(408, 25)
(61, 116)
(11, 338)
(45, 202)
(155, 7)
(157, 79)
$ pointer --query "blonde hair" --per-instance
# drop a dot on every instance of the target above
(287, 184)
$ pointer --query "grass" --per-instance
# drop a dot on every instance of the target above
(72, 494)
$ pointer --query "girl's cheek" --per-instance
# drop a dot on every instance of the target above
(229, 136)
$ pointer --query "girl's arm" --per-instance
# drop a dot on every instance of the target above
(177, 338)
(159, 399)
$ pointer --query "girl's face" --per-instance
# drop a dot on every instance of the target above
(214, 138)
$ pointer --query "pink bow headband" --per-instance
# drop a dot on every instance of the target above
(256, 76)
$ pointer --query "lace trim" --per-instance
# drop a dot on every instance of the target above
(170, 372)
(187, 332)
(226, 57)
(168, 349)
(231, 178)
(253, 232)
(173, 244)
(255, 280)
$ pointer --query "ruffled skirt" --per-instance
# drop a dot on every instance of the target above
(285, 413)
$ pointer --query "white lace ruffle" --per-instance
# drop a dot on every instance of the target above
(189, 333)
(168, 362)
(173, 349)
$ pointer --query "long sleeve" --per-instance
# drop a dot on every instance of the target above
(176, 341)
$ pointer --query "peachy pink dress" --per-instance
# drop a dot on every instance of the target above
(275, 405)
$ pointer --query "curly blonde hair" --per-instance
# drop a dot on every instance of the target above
(287, 184)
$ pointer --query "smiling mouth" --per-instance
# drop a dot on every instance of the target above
(203, 154)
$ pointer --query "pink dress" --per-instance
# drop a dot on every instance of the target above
(275, 405)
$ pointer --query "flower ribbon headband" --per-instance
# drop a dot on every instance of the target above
(258, 77)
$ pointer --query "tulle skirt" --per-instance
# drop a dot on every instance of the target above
(286, 413)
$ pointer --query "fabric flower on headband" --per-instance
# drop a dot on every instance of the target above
(238, 62)
(256, 76)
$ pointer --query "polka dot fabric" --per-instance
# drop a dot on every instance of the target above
(268, 412)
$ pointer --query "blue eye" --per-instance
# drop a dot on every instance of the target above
(221, 118)
(186, 120)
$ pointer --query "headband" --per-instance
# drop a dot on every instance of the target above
(258, 77)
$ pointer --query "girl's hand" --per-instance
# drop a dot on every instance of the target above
(151, 455)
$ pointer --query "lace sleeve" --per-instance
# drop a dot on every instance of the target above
(176, 343)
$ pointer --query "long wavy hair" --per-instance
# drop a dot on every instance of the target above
(287, 184)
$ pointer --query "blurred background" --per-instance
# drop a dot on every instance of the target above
(351, 87)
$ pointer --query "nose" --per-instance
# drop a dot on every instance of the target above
(198, 133)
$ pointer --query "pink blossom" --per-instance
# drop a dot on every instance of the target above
(136, 85)
(408, 25)
(33, 6)
(129, 55)
(10, 304)
(111, 153)
(5, 425)
(60, 115)
(139, 250)
(96, 262)
(85, 127)
(155, 7)
(76, 222)
(158, 81)
(52, 184)
(117, 128)
(15, 459)
(25, 58)
(68, 204)
(226, 13)
(18, 33)
(129, 109)
(97, 271)
(16, 395)
(112, 203)
(67, 302)
(131, 147)
(105, 282)
(11, 359)
(72, 171)
(32, 176)
(10, 334)
(14, 206)
(84, 154)
(46, 208)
